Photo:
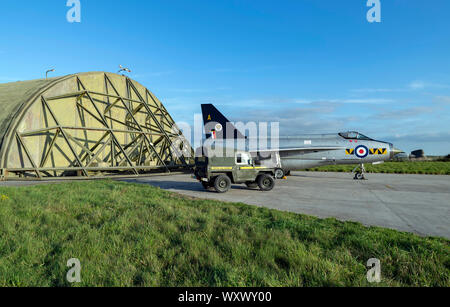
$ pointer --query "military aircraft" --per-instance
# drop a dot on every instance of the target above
(307, 151)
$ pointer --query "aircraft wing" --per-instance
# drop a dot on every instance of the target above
(322, 148)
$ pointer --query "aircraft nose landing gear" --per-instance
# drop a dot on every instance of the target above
(359, 172)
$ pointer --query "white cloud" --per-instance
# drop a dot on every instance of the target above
(344, 101)
(199, 90)
(417, 85)
(412, 86)
(363, 101)
(378, 90)
(423, 137)
(315, 101)
(420, 85)
(405, 113)
(444, 99)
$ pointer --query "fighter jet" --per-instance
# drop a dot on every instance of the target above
(307, 151)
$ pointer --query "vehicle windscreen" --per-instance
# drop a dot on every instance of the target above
(243, 159)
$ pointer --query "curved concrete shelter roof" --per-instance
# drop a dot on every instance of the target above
(86, 124)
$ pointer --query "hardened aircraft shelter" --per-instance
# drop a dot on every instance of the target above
(86, 125)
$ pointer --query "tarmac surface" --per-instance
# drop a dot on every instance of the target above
(414, 203)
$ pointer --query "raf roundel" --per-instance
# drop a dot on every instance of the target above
(361, 151)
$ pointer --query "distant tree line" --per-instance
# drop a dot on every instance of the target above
(445, 159)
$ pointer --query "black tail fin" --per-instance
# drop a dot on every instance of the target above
(217, 125)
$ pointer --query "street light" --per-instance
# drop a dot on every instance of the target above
(46, 73)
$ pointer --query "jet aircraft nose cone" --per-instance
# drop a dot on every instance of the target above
(397, 151)
(394, 151)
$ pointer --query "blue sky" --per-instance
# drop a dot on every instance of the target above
(315, 66)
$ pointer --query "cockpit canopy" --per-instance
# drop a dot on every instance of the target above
(353, 135)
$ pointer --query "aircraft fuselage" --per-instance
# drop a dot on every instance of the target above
(351, 151)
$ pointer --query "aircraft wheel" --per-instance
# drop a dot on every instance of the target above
(222, 184)
(251, 185)
(359, 176)
(279, 173)
(288, 173)
(266, 182)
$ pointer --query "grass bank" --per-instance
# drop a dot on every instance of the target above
(136, 235)
(428, 168)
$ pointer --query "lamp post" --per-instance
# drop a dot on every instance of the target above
(46, 73)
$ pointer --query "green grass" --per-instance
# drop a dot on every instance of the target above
(429, 168)
(136, 235)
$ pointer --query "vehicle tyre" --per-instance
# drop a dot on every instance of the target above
(266, 182)
(222, 184)
(279, 173)
(251, 185)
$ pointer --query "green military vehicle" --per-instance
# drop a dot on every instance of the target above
(220, 172)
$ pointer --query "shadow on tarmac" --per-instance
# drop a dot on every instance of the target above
(183, 186)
